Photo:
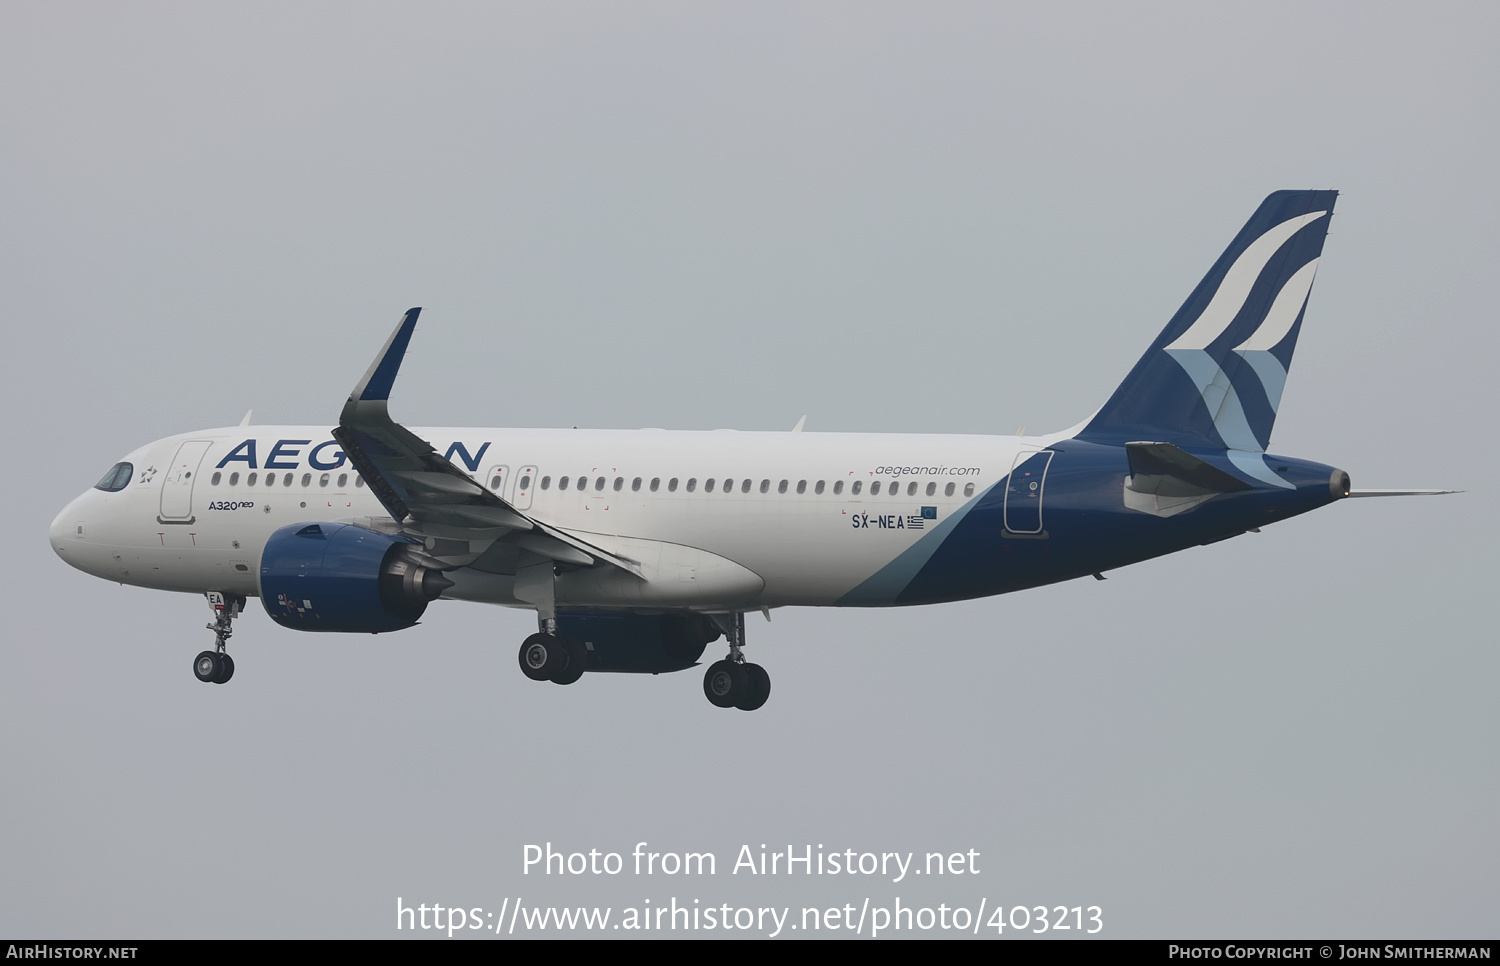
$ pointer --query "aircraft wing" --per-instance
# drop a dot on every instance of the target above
(457, 519)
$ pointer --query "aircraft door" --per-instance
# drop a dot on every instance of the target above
(177, 488)
(1023, 491)
(525, 483)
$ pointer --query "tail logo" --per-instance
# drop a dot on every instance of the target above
(1190, 350)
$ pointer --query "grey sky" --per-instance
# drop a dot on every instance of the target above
(962, 218)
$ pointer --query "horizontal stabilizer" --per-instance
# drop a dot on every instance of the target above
(1165, 480)
(1166, 470)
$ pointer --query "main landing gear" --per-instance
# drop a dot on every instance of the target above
(546, 657)
(732, 682)
(216, 666)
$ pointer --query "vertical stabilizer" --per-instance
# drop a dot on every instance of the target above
(1214, 376)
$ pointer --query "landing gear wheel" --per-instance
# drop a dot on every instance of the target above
(206, 666)
(759, 687)
(542, 656)
(724, 683)
(226, 669)
(577, 657)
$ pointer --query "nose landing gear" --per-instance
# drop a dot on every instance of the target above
(216, 666)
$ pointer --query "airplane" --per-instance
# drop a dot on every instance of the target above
(638, 549)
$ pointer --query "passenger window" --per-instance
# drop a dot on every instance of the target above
(599, 485)
(619, 483)
(526, 483)
(655, 483)
(250, 480)
(968, 489)
(819, 488)
(546, 482)
(781, 487)
(323, 480)
(359, 482)
(911, 488)
(729, 486)
(214, 480)
(931, 489)
(838, 487)
(765, 486)
(270, 479)
(745, 486)
(874, 488)
(234, 479)
(854, 490)
(287, 480)
(708, 485)
(562, 482)
(495, 482)
(801, 486)
(948, 490)
(343, 480)
(635, 485)
(692, 484)
(672, 485)
(306, 480)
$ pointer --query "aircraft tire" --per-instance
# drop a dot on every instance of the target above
(206, 666)
(576, 660)
(723, 684)
(541, 656)
(758, 690)
(226, 669)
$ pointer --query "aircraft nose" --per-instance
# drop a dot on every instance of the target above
(67, 527)
(56, 531)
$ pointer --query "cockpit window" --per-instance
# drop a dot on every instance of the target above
(117, 478)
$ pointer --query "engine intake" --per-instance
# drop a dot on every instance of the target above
(340, 577)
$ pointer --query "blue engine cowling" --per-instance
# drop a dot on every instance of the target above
(640, 643)
(339, 577)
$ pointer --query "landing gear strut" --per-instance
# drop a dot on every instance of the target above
(733, 683)
(216, 666)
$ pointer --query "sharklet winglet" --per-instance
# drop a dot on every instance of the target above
(381, 376)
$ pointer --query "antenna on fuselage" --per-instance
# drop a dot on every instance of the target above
(246, 420)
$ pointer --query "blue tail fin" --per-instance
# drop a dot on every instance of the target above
(1214, 376)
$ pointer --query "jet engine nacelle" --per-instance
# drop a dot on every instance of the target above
(641, 643)
(339, 577)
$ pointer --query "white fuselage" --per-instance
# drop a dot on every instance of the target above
(719, 518)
